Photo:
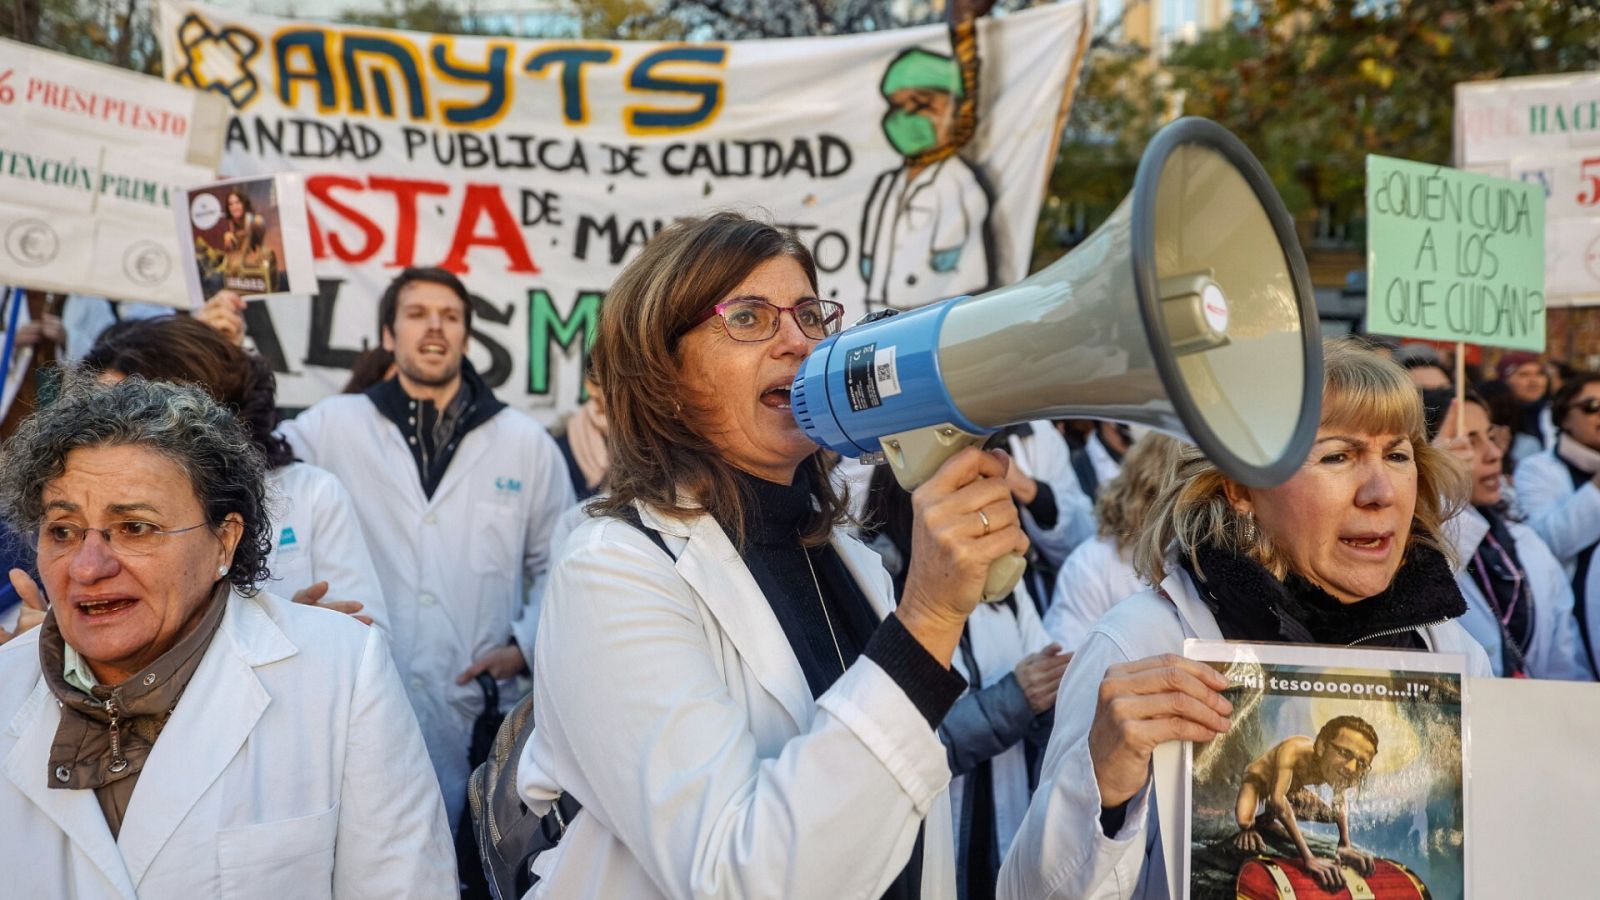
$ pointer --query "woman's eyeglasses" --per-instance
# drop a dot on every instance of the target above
(131, 538)
(751, 319)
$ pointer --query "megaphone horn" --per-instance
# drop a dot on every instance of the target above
(1189, 311)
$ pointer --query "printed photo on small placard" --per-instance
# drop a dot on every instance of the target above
(1340, 778)
(248, 235)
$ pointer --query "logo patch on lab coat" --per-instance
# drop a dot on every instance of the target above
(287, 539)
(506, 485)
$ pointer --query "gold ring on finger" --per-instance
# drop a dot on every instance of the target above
(985, 520)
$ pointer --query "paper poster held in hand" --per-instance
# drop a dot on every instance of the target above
(1341, 777)
(1454, 256)
(247, 235)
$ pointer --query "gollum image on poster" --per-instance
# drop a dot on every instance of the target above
(1340, 778)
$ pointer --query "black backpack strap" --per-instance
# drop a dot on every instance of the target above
(631, 516)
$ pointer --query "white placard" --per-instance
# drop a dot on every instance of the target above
(89, 157)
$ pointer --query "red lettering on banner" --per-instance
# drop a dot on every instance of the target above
(485, 200)
(405, 200)
(320, 187)
(482, 202)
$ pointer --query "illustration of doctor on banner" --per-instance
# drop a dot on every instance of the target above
(925, 231)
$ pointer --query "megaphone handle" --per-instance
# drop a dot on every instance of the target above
(915, 455)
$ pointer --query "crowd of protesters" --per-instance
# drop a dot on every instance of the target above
(251, 657)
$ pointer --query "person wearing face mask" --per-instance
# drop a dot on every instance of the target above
(925, 230)
(457, 495)
(727, 700)
(1559, 490)
(1348, 551)
(1519, 601)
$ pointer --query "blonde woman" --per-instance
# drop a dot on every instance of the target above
(1348, 551)
(1100, 572)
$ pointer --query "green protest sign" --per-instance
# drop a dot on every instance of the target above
(1454, 256)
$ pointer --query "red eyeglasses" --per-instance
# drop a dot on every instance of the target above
(753, 319)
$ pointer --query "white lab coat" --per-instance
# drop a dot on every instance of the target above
(1093, 579)
(1557, 649)
(926, 240)
(291, 767)
(1061, 852)
(1000, 639)
(1106, 466)
(316, 537)
(668, 701)
(1045, 457)
(1568, 519)
(454, 568)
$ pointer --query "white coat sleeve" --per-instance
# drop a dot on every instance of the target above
(1046, 458)
(1061, 851)
(1082, 596)
(546, 516)
(1568, 520)
(1564, 657)
(302, 432)
(642, 728)
(339, 555)
(392, 840)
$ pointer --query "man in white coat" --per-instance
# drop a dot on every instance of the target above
(457, 496)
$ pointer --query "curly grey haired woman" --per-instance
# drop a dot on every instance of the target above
(173, 730)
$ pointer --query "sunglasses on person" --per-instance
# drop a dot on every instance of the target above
(1588, 405)
(753, 319)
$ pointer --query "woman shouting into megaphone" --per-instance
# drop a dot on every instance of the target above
(728, 703)
(1348, 551)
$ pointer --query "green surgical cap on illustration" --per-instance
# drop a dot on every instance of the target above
(918, 68)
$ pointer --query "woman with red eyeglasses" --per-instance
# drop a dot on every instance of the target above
(1559, 490)
(727, 700)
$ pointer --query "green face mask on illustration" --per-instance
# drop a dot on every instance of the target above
(909, 133)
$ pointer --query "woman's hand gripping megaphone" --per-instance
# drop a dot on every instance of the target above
(962, 497)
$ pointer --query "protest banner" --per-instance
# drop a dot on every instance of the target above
(535, 169)
(1342, 768)
(89, 155)
(1454, 256)
(1544, 130)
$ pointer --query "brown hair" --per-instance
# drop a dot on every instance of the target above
(660, 456)
(1360, 390)
(1123, 504)
(183, 350)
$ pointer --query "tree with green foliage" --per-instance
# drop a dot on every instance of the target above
(119, 32)
(1313, 86)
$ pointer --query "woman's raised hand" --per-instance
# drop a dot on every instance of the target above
(963, 519)
(33, 604)
(1145, 703)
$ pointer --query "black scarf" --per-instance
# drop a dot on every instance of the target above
(1499, 573)
(1252, 605)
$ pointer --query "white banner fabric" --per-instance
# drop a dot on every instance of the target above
(535, 169)
(1544, 130)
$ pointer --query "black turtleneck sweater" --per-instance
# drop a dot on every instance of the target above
(805, 608)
